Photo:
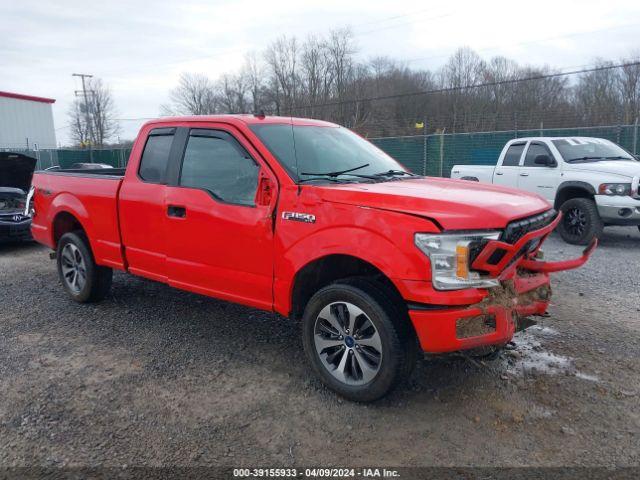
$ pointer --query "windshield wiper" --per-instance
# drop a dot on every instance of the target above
(393, 173)
(325, 178)
(336, 173)
(618, 157)
(582, 159)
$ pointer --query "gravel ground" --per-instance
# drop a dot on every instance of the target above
(154, 376)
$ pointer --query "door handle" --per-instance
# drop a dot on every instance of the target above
(524, 174)
(175, 211)
(499, 173)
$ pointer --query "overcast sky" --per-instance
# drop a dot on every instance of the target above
(140, 48)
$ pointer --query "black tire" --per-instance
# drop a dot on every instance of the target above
(97, 279)
(581, 221)
(399, 344)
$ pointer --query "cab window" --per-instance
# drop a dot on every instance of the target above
(512, 157)
(155, 157)
(215, 162)
(533, 151)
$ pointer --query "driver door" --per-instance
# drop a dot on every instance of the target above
(219, 220)
(536, 178)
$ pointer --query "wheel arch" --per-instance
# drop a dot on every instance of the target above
(64, 222)
(573, 189)
(328, 269)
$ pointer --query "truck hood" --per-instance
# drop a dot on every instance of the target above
(16, 170)
(454, 204)
(612, 167)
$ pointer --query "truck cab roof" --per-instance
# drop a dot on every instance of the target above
(241, 119)
(542, 139)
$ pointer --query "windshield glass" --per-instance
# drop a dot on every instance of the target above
(590, 149)
(306, 151)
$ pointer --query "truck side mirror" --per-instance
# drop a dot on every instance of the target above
(545, 160)
(265, 190)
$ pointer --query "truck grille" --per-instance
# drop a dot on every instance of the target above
(519, 228)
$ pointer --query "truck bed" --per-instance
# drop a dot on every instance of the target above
(82, 172)
(477, 173)
(91, 197)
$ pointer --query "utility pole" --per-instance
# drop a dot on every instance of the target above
(86, 100)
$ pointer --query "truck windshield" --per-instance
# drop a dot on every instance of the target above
(575, 150)
(330, 154)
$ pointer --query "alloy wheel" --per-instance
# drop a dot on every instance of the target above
(348, 343)
(74, 270)
(575, 221)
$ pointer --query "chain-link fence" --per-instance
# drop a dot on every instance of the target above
(432, 154)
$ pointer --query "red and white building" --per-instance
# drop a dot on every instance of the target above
(26, 122)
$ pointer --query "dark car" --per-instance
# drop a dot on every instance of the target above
(90, 166)
(16, 171)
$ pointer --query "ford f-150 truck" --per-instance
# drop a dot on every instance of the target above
(592, 181)
(307, 219)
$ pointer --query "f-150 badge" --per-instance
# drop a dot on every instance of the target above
(299, 217)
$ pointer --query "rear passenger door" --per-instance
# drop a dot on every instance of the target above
(142, 208)
(507, 172)
(220, 224)
(540, 179)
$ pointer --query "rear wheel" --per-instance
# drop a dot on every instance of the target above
(581, 221)
(83, 280)
(357, 340)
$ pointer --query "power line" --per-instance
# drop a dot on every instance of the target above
(468, 87)
(527, 42)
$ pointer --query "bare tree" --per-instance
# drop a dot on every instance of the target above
(99, 112)
(597, 96)
(78, 124)
(629, 86)
(253, 72)
(194, 95)
(232, 92)
(322, 77)
(316, 75)
(282, 61)
(341, 50)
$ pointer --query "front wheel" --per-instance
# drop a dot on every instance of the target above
(581, 221)
(357, 340)
(81, 277)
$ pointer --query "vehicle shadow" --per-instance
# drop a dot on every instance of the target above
(620, 237)
(212, 332)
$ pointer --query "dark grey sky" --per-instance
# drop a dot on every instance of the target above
(140, 48)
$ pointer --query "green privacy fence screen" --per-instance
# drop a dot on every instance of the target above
(432, 154)
(65, 158)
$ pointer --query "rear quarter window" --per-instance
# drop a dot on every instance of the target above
(155, 158)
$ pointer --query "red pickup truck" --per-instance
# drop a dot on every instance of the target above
(307, 219)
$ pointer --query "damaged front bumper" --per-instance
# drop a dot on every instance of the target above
(495, 314)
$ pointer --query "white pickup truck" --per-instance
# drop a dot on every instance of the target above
(593, 181)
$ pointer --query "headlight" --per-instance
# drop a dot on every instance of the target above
(449, 255)
(615, 189)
